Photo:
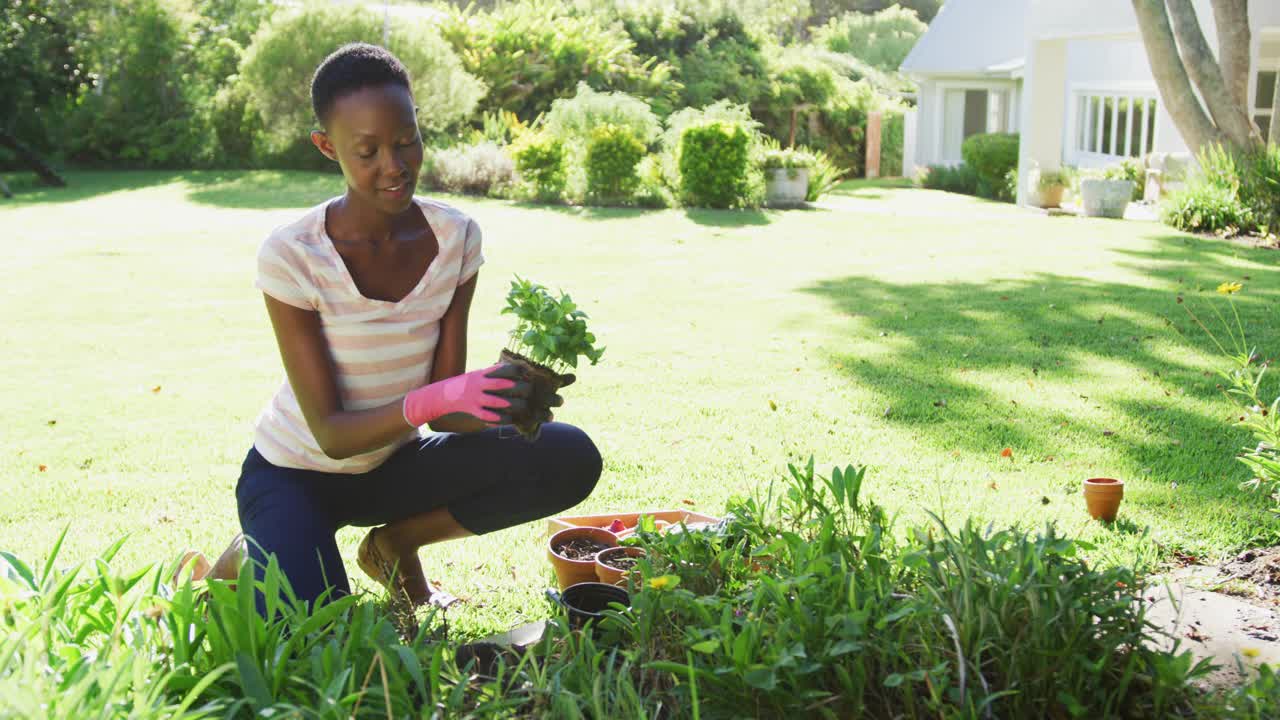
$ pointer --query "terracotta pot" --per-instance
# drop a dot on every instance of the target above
(571, 572)
(1051, 196)
(612, 575)
(1103, 496)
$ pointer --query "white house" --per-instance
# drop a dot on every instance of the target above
(1070, 76)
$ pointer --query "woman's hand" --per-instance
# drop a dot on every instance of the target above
(489, 395)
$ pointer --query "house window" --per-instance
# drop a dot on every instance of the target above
(1115, 125)
(1264, 99)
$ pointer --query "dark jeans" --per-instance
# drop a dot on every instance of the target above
(487, 482)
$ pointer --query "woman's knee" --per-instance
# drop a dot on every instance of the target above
(577, 464)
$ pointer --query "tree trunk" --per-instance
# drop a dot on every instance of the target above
(1275, 113)
(791, 141)
(28, 156)
(1232, 19)
(1200, 64)
(1171, 77)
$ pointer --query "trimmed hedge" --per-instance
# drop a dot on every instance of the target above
(992, 156)
(714, 159)
(613, 153)
(540, 162)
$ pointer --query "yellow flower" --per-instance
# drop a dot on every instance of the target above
(1229, 288)
(1250, 652)
(664, 582)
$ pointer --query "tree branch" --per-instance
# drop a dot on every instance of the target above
(1171, 76)
(1234, 39)
(1200, 64)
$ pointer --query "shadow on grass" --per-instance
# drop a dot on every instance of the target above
(81, 185)
(945, 343)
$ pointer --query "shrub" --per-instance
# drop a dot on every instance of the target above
(653, 190)
(882, 39)
(958, 179)
(140, 113)
(992, 156)
(574, 119)
(283, 56)
(1206, 207)
(533, 52)
(824, 176)
(712, 52)
(612, 156)
(481, 169)
(714, 161)
(540, 162)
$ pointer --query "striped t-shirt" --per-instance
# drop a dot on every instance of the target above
(381, 349)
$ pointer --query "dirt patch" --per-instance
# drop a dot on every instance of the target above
(579, 549)
(624, 562)
(1254, 573)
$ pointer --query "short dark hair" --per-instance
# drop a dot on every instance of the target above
(350, 68)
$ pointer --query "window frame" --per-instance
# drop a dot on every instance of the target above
(1136, 96)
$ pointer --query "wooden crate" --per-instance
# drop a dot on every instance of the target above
(675, 517)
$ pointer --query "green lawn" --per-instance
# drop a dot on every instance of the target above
(915, 332)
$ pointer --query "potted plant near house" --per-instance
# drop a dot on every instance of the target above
(549, 339)
(787, 177)
(1051, 185)
(1108, 193)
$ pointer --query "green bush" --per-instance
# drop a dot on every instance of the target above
(574, 119)
(712, 52)
(540, 162)
(992, 156)
(533, 52)
(959, 179)
(278, 66)
(714, 159)
(613, 154)
(140, 113)
(1206, 207)
(882, 39)
(1229, 194)
(481, 169)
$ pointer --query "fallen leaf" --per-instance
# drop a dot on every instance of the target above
(155, 389)
(687, 501)
(773, 405)
(940, 403)
(43, 468)
(992, 485)
(1108, 433)
(1007, 452)
(1044, 500)
(1004, 297)
(888, 411)
(53, 422)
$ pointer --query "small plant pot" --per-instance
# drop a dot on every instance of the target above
(586, 601)
(786, 187)
(1051, 196)
(545, 383)
(1102, 496)
(609, 574)
(573, 570)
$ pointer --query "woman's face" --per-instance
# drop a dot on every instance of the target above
(373, 135)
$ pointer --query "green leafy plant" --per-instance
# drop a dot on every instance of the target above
(549, 330)
(613, 154)
(1244, 382)
(1131, 170)
(1063, 177)
(992, 156)
(958, 179)
(540, 160)
(1206, 207)
(714, 164)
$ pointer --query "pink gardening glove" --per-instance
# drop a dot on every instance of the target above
(471, 393)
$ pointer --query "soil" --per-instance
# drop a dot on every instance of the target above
(579, 549)
(623, 562)
(1260, 567)
(545, 383)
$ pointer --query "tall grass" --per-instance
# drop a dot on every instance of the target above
(801, 603)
